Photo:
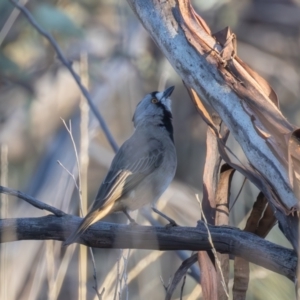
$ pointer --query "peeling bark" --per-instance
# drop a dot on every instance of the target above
(243, 100)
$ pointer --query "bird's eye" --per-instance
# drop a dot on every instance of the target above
(154, 100)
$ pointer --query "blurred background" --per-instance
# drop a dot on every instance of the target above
(119, 63)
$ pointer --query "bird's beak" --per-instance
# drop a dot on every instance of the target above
(167, 93)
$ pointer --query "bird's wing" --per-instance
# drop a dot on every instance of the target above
(132, 163)
(130, 166)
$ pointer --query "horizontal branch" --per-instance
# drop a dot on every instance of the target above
(109, 235)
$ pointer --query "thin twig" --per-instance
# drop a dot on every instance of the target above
(9, 23)
(213, 249)
(179, 274)
(84, 91)
(95, 287)
(118, 275)
(101, 294)
(82, 270)
(238, 194)
(34, 202)
(182, 287)
(69, 129)
(71, 174)
(68, 65)
(124, 274)
(165, 286)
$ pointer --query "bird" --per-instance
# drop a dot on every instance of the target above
(142, 168)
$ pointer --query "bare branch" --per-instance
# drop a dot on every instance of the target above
(238, 194)
(182, 287)
(109, 235)
(34, 202)
(68, 65)
(71, 175)
(79, 188)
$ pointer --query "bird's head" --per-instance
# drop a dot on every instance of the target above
(155, 106)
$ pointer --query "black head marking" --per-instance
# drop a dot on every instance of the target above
(153, 94)
(166, 120)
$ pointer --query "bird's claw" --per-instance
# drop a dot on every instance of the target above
(133, 223)
(171, 224)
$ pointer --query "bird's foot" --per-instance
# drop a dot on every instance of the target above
(133, 223)
(171, 224)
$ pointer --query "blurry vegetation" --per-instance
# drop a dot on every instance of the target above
(123, 65)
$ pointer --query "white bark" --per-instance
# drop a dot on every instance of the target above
(255, 122)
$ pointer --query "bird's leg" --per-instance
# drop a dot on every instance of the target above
(171, 221)
(132, 222)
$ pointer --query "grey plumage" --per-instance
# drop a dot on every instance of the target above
(143, 167)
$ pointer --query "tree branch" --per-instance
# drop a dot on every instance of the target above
(181, 272)
(240, 96)
(34, 202)
(68, 65)
(109, 235)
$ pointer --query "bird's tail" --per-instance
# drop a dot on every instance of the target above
(92, 217)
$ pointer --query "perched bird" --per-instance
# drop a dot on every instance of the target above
(143, 167)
